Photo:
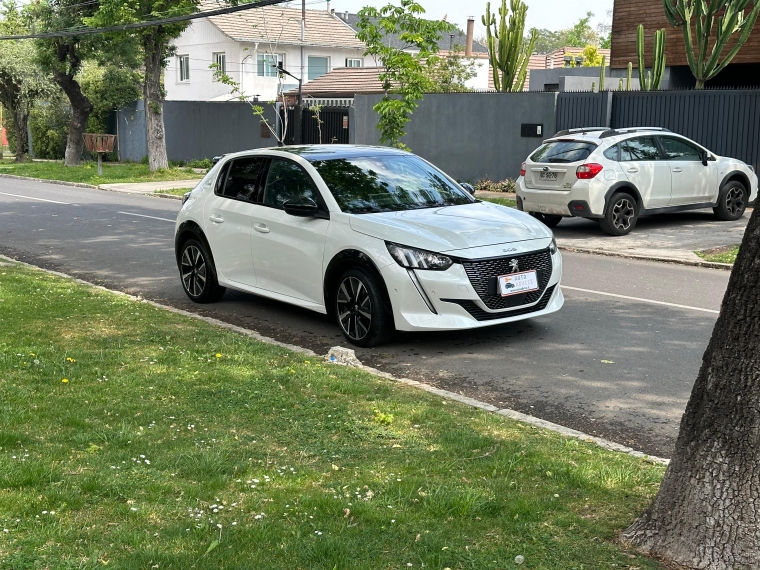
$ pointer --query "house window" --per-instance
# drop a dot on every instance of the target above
(267, 64)
(354, 63)
(318, 66)
(184, 67)
(220, 59)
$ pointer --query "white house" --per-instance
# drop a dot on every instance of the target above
(248, 45)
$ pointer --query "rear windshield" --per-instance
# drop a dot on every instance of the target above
(563, 151)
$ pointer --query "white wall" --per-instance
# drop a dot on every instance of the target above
(202, 39)
(482, 70)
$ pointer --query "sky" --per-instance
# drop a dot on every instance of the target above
(550, 14)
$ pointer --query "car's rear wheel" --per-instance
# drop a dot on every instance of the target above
(732, 202)
(361, 308)
(198, 273)
(548, 220)
(621, 215)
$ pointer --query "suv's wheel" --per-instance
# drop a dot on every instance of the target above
(361, 308)
(548, 220)
(732, 201)
(621, 216)
(198, 273)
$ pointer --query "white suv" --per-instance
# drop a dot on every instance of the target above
(615, 176)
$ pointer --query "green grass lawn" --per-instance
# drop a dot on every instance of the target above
(132, 437)
(174, 191)
(501, 201)
(88, 172)
(720, 255)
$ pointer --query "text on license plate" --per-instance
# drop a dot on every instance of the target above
(516, 283)
(547, 175)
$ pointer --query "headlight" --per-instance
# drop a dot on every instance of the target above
(553, 246)
(418, 259)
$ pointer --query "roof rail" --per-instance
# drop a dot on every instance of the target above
(580, 130)
(613, 132)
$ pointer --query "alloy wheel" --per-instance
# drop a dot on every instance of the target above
(735, 201)
(354, 308)
(193, 268)
(623, 213)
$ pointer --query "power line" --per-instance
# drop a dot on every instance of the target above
(149, 24)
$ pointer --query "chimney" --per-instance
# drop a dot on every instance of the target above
(328, 6)
(470, 33)
(345, 16)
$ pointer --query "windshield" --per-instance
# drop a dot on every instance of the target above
(563, 151)
(363, 185)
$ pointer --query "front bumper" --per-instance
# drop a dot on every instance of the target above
(446, 300)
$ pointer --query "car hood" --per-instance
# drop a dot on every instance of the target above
(452, 227)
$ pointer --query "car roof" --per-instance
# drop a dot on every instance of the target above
(332, 151)
(595, 134)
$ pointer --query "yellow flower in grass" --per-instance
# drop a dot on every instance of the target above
(71, 360)
(218, 355)
(65, 381)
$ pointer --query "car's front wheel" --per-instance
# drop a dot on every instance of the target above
(621, 215)
(198, 273)
(361, 308)
(732, 202)
(549, 220)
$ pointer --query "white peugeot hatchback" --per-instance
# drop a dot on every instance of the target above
(376, 237)
(615, 176)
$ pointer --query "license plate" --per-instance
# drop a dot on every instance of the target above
(547, 176)
(516, 283)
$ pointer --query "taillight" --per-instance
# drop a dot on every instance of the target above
(588, 171)
(522, 169)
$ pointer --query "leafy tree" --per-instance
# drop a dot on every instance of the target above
(22, 82)
(450, 74)
(591, 56)
(405, 74)
(706, 512)
(580, 34)
(154, 42)
(712, 53)
(108, 88)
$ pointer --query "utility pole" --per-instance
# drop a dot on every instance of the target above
(298, 126)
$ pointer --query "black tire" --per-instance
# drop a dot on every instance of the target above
(732, 201)
(549, 220)
(362, 308)
(621, 215)
(198, 274)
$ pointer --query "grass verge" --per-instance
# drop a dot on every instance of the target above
(720, 254)
(133, 437)
(500, 201)
(174, 191)
(87, 173)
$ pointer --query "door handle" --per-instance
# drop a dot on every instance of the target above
(216, 218)
(676, 170)
(633, 169)
(261, 228)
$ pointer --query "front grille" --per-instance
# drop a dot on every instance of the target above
(480, 315)
(484, 273)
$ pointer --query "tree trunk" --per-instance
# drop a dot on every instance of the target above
(20, 123)
(153, 95)
(707, 511)
(81, 107)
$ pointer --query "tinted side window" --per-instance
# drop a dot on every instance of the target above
(220, 180)
(242, 180)
(612, 152)
(288, 182)
(644, 148)
(676, 149)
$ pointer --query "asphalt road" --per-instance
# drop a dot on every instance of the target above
(608, 365)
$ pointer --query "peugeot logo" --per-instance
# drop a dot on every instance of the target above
(513, 265)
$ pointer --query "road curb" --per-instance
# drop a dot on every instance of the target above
(506, 412)
(695, 263)
(59, 182)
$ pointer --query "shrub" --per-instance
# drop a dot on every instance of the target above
(49, 123)
(203, 163)
(487, 185)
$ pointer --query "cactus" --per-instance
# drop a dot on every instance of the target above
(653, 81)
(602, 73)
(731, 18)
(507, 52)
(593, 86)
(620, 84)
(628, 77)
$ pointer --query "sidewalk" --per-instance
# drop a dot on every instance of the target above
(149, 187)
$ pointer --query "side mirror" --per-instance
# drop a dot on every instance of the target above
(468, 187)
(303, 208)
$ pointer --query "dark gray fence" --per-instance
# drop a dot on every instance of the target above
(468, 135)
(725, 121)
(576, 110)
(196, 129)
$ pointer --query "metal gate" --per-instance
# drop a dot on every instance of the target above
(327, 126)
